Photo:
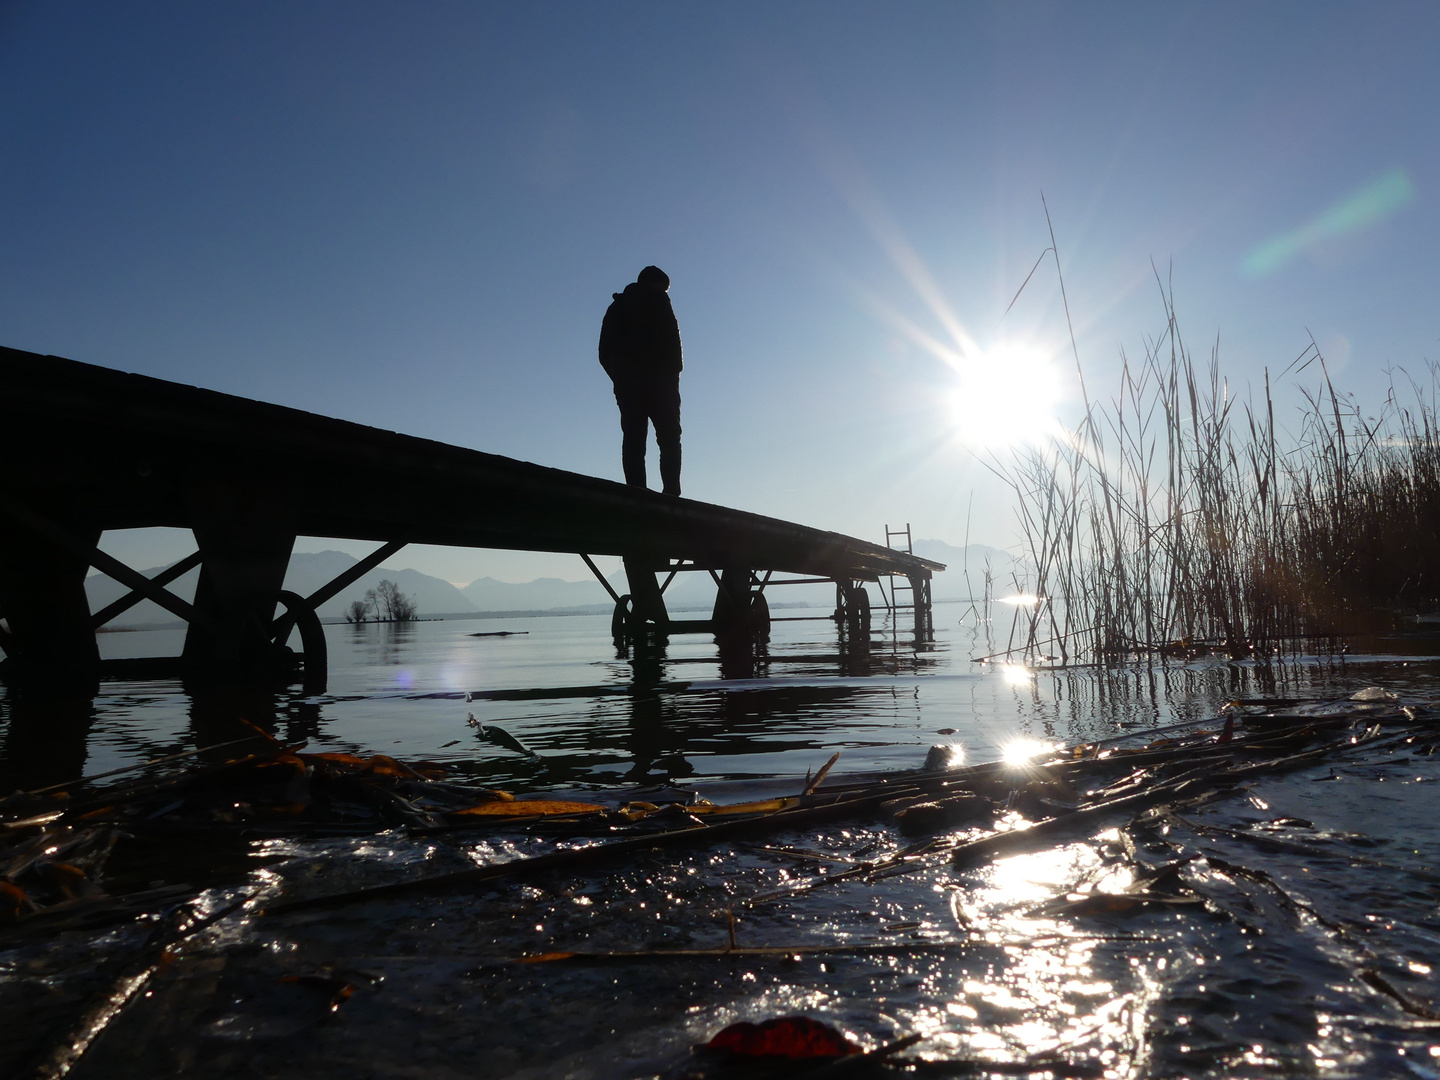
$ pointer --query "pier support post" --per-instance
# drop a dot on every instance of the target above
(245, 537)
(42, 596)
(740, 622)
(647, 605)
(852, 608)
(739, 611)
(924, 617)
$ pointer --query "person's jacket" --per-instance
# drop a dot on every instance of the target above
(640, 336)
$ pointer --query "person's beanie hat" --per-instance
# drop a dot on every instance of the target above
(654, 277)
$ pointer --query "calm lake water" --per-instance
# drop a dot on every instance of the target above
(681, 716)
(1305, 892)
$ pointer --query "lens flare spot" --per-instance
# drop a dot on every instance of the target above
(1373, 203)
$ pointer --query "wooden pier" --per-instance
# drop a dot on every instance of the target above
(89, 449)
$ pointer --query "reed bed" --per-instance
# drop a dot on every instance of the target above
(1174, 520)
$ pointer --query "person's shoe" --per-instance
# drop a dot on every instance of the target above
(672, 491)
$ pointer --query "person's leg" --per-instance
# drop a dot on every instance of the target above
(634, 424)
(665, 412)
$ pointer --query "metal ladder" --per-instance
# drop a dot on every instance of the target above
(893, 600)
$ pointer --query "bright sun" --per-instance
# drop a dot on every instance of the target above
(1007, 395)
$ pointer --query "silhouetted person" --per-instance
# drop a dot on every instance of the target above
(640, 351)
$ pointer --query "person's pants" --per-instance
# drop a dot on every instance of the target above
(643, 402)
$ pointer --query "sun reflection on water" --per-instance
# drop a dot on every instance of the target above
(1021, 751)
(1016, 674)
(1042, 992)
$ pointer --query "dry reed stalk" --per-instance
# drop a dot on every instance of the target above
(1164, 525)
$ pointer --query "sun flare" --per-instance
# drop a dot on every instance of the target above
(1008, 394)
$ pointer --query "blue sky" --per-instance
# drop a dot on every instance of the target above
(413, 216)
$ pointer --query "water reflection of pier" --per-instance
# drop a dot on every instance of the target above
(680, 710)
(103, 449)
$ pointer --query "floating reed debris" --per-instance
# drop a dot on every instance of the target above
(1169, 523)
(54, 849)
(1155, 779)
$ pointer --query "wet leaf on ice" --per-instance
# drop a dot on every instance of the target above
(784, 1036)
(12, 901)
(528, 808)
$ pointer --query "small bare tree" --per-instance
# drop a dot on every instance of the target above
(390, 603)
(358, 611)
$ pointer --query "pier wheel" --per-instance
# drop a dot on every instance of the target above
(631, 623)
(620, 621)
(300, 615)
(741, 610)
(857, 608)
(760, 616)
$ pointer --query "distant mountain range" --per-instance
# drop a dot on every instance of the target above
(542, 594)
(433, 596)
(965, 569)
